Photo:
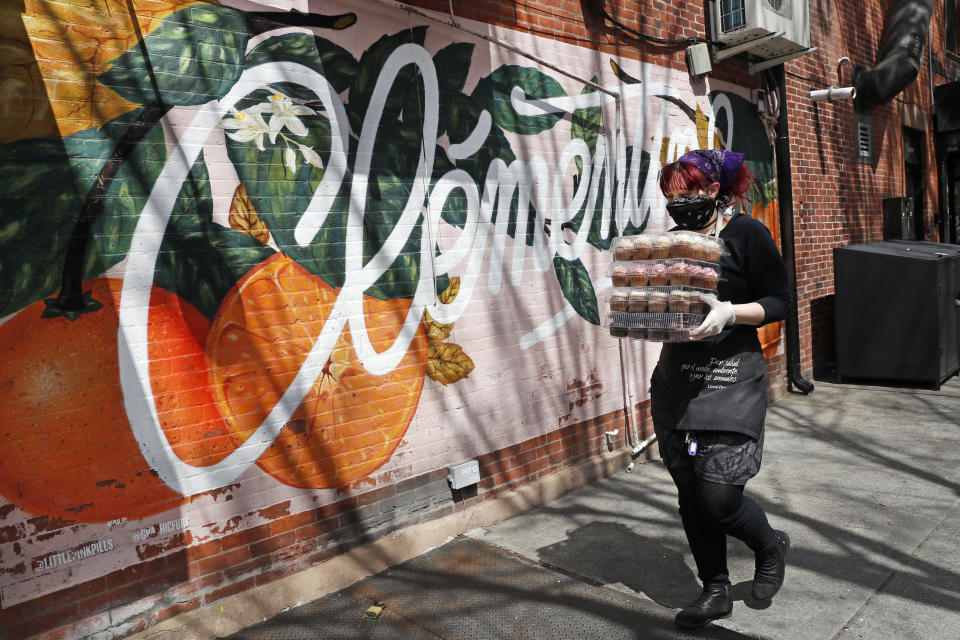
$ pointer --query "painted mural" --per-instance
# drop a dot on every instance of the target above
(250, 256)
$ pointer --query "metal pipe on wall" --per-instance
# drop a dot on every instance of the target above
(628, 416)
(785, 207)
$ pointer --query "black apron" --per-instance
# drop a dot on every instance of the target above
(711, 386)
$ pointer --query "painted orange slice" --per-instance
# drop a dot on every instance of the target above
(351, 421)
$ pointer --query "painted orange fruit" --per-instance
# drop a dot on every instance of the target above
(769, 334)
(67, 449)
(351, 421)
(52, 54)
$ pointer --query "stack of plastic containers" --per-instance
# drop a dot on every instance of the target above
(657, 282)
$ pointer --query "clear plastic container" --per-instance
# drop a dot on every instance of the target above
(655, 299)
(658, 279)
(652, 320)
(678, 272)
(653, 327)
(687, 245)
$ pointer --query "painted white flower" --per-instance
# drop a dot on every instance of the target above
(285, 114)
(311, 156)
(246, 126)
(290, 159)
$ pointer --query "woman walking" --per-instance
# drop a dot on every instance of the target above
(709, 396)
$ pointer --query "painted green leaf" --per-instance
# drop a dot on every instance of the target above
(585, 124)
(332, 61)
(397, 150)
(496, 146)
(453, 65)
(325, 257)
(200, 260)
(43, 186)
(368, 73)
(393, 170)
(596, 237)
(279, 195)
(455, 209)
(196, 55)
(380, 217)
(645, 162)
(577, 288)
(599, 237)
(459, 115)
(493, 94)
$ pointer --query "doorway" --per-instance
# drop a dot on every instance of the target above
(913, 177)
(952, 221)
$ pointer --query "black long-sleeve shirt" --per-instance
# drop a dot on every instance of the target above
(720, 384)
(753, 270)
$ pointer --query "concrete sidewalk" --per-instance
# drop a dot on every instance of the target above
(866, 479)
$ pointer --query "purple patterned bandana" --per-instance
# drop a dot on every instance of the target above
(719, 165)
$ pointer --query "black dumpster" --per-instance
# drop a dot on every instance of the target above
(898, 311)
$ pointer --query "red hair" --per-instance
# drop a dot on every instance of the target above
(682, 176)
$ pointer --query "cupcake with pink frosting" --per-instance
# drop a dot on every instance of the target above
(710, 278)
(658, 275)
(620, 276)
(639, 275)
(696, 276)
(678, 274)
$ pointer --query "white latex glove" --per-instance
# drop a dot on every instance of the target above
(721, 315)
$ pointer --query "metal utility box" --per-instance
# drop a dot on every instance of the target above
(898, 219)
(898, 311)
(464, 474)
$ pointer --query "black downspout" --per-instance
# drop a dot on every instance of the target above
(905, 30)
(785, 207)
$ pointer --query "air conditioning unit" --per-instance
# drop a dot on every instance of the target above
(777, 28)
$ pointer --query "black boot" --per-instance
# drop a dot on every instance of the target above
(771, 564)
(715, 602)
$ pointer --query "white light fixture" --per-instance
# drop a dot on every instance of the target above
(833, 93)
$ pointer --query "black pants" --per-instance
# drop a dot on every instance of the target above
(710, 512)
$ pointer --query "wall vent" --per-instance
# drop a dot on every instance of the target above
(864, 140)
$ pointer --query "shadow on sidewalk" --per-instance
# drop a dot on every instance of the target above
(468, 589)
(612, 553)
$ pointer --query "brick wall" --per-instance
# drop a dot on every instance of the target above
(837, 201)
(144, 594)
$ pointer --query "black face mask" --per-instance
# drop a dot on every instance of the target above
(692, 212)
